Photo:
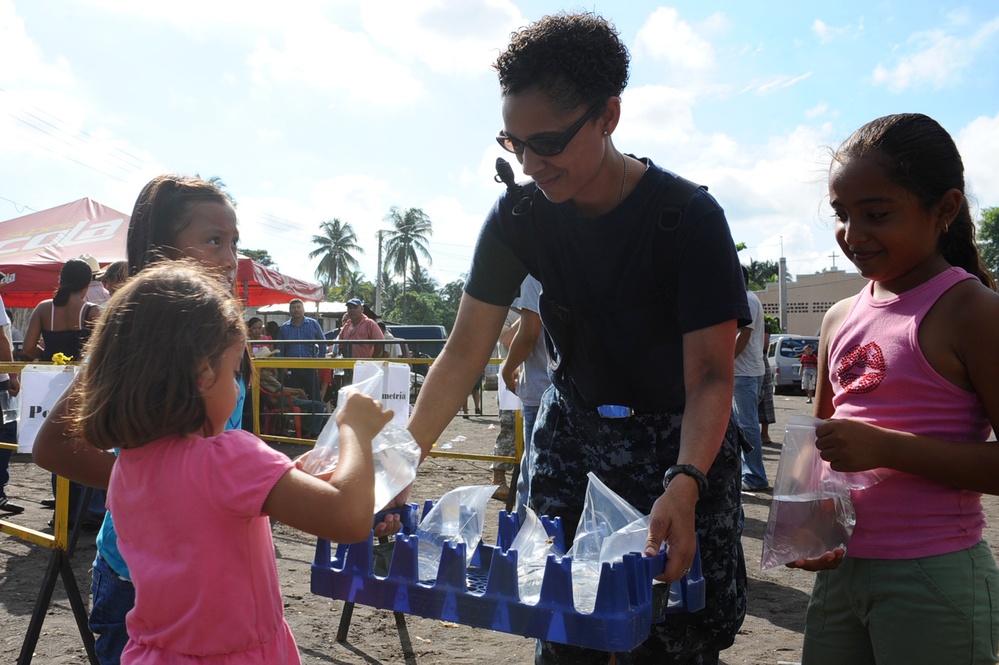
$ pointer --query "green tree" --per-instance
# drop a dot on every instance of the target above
(354, 285)
(420, 281)
(418, 309)
(451, 297)
(406, 243)
(391, 290)
(261, 256)
(218, 182)
(336, 246)
(988, 239)
(762, 273)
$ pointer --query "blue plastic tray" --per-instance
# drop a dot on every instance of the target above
(485, 593)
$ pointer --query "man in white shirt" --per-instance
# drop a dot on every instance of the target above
(749, 371)
(392, 350)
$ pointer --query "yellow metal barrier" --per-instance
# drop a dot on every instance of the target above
(61, 543)
(348, 363)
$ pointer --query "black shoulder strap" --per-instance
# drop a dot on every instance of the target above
(679, 194)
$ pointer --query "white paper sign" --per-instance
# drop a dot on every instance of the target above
(395, 386)
(508, 401)
(41, 387)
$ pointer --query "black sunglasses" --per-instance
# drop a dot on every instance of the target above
(545, 147)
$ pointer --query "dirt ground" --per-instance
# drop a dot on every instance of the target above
(771, 634)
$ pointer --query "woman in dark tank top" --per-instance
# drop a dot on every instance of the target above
(63, 323)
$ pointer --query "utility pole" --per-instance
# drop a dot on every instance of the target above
(782, 287)
(378, 280)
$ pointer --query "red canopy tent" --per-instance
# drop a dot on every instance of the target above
(34, 247)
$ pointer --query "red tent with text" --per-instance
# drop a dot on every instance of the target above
(34, 247)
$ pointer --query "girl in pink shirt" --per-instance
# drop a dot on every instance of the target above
(907, 380)
(191, 500)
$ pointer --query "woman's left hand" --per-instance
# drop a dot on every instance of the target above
(672, 520)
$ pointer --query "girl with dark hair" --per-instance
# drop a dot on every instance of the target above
(201, 553)
(169, 222)
(620, 271)
(174, 217)
(907, 382)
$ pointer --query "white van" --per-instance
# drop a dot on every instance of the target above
(784, 356)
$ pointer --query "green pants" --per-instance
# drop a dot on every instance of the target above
(938, 609)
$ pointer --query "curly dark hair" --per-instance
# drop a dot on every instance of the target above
(576, 59)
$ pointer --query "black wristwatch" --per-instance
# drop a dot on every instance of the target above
(687, 470)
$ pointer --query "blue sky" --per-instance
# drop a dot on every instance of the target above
(314, 110)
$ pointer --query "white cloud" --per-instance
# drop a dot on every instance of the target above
(979, 145)
(284, 224)
(821, 28)
(323, 55)
(779, 83)
(21, 62)
(939, 60)
(827, 33)
(819, 109)
(668, 38)
(448, 36)
(202, 19)
(659, 115)
(773, 194)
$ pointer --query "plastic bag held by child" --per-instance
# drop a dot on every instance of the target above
(396, 453)
(811, 512)
(457, 517)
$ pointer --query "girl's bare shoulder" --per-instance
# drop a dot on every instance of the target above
(834, 316)
(968, 303)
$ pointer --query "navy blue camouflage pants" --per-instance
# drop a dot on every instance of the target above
(630, 456)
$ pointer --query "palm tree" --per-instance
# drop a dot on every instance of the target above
(336, 247)
(406, 242)
(391, 291)
(420, 281)
(762, 273)
(354, 285)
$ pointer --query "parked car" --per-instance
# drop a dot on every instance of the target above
(784, 356)
(424, 332)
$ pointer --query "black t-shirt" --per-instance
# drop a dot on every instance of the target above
(619, 291)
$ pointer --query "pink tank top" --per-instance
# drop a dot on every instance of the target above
(879, 375)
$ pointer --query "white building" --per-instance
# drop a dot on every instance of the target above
(809, 297)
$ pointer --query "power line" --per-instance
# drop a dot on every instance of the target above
(17, 206)
(71, 159)
(72, 140)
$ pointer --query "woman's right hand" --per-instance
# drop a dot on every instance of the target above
(828, 561)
